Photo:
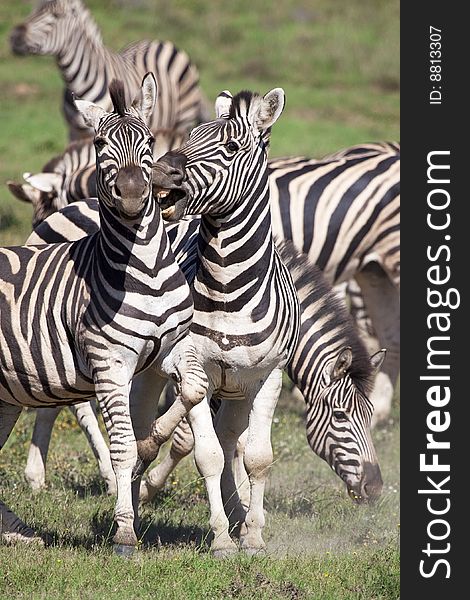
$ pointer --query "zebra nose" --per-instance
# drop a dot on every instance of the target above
(130, 183)
(17, 39)
(373, 483)
(173, 164)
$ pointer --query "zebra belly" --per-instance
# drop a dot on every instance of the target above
(233, 370)
(43, 383)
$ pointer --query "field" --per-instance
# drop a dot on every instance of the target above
(338, 62)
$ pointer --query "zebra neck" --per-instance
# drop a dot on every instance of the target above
(235, 253)
(83, 56)
(322, 335)
(136, 245)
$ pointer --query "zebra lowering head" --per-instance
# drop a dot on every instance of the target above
(335, 373)
(226, 158)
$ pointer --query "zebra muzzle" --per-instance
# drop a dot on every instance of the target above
(18, 43)
(168, 185)
(172, 201)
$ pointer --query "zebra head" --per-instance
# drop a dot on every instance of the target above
(226, 158)
(42, 191)
(338, 423)
(124, 148)
(49, 27)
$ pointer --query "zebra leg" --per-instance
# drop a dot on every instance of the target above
(209, 459)
(114, 403)
(231, 423)
(85, 413)
(382, 300)
(145, 394)
(182, 366)
(242, 481)
(12, 528)
(35, 471)
(181, 446)
(258, 458)
(382, 393)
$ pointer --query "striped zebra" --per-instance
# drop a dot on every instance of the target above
(80, 319)
(66, 30)
(326, 331)
(332, 369)
(246, 311)
(343, 211)
(353, 457)
(369, 184)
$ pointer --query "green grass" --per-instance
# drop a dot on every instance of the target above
(320, 544)
(338, 62)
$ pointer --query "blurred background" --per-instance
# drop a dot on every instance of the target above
(338, 61)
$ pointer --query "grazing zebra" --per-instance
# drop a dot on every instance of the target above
(80, 319)
(66, 30)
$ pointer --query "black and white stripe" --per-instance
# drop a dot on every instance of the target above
(66, 30)
(80, 319)
(333, 370)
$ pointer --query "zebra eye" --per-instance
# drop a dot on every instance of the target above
(151, 140)
(232, 146)
(100, 143)
(340, 415)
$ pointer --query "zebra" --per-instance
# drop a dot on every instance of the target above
(354, 458)
(327, 335)
(342, 211)
(66, 30)
(80, 319)
(369, 169)
(332, 368)
(246, 311)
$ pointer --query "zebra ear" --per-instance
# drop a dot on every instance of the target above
(91, 113)
(270, 108)
(223, 104)
(44, 182)
(342, 364)
(24, 192)
(377, 359)
(144, 102)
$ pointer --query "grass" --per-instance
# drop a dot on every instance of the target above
(320, 544)
(338, 62)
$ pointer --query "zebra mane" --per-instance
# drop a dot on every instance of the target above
(244, 97)
(118, 96)
(312, 287)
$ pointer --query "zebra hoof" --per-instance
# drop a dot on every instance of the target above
(254, 551)
(221, 553)
(123, 550)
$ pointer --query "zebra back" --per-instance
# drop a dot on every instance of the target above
(343, 210)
